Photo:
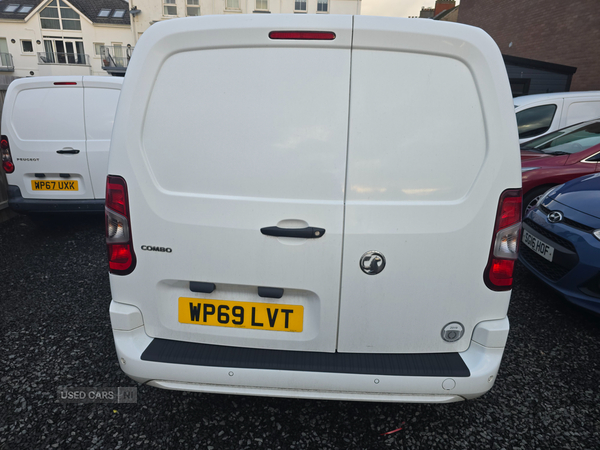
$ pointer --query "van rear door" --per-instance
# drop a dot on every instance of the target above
(422, 188)
(244, 141)
(101, 95)
(47, 139)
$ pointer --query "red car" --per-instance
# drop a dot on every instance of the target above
(557, 158)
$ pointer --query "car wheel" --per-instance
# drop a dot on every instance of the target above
(531, 199)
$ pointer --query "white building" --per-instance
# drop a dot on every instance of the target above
(147, 12)
(61, 37)
(91, 37)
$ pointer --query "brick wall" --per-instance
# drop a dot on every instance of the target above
(566, 32)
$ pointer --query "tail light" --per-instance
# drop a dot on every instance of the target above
(303, 35)
(121, 257)
(7, 162)
(498, 275)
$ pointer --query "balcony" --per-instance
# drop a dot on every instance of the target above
(6, 63)
(115, 59)
(78, 59)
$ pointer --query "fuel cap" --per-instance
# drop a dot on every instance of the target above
(453, 332)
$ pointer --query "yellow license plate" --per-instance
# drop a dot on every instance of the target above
(54, 185)
(234, 314)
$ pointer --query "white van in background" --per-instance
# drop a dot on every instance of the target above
(55, 141)
(540, 114)
(292, 210)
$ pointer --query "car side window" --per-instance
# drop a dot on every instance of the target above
(594, 158)
(535, 121)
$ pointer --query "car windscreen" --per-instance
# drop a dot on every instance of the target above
(568, 140)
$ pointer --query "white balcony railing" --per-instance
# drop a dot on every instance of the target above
(6, 63)
(115, 59)
(63, 58)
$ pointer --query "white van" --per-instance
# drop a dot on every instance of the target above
(293, 210)
(541, 114)
(55, 140)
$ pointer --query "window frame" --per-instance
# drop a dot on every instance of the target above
(261, 9)
(169, 4)
(194, 6)
(323, 2)
(233, 8)
(23, 52)
(305, 10)
(100, 44)
(58, 5)
(65, 57)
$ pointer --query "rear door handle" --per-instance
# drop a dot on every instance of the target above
(67, 151)
(304, 233)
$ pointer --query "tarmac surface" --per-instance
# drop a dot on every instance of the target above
(55, 333)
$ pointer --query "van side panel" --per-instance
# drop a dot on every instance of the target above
(100, 105)
(424, 179)
(580, 110)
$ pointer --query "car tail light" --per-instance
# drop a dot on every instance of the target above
(121, 257)
(7, 162)
(498, 275)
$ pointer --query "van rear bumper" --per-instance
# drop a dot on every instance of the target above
(183, 366)
(33, 205)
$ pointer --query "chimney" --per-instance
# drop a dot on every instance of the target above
(443, 5)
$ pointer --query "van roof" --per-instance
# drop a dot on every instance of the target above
(526, 99)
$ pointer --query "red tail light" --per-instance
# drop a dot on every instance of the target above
(65, 83)
(121, 257)
(303, 35)
(7, 162)
(498, 275)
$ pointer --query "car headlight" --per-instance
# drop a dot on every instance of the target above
(597, 234)
(527, 169)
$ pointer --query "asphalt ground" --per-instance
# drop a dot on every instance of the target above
(55, 332)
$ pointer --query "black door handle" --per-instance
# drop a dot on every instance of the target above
(67, 151)
(304, 233)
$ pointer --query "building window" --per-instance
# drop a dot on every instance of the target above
(98, 48)
(193, 7)
(118, 54)
(232, 4)
(27, 46)
(11, 8)
(119, 13)
(300, 5)
(63, 51)
(262, 5)
(104, 12)
(25, 9)
(322, 5)
(519, 86)
(169, 8)
(59, 16)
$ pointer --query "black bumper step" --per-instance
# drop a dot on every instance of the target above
(415, 365)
